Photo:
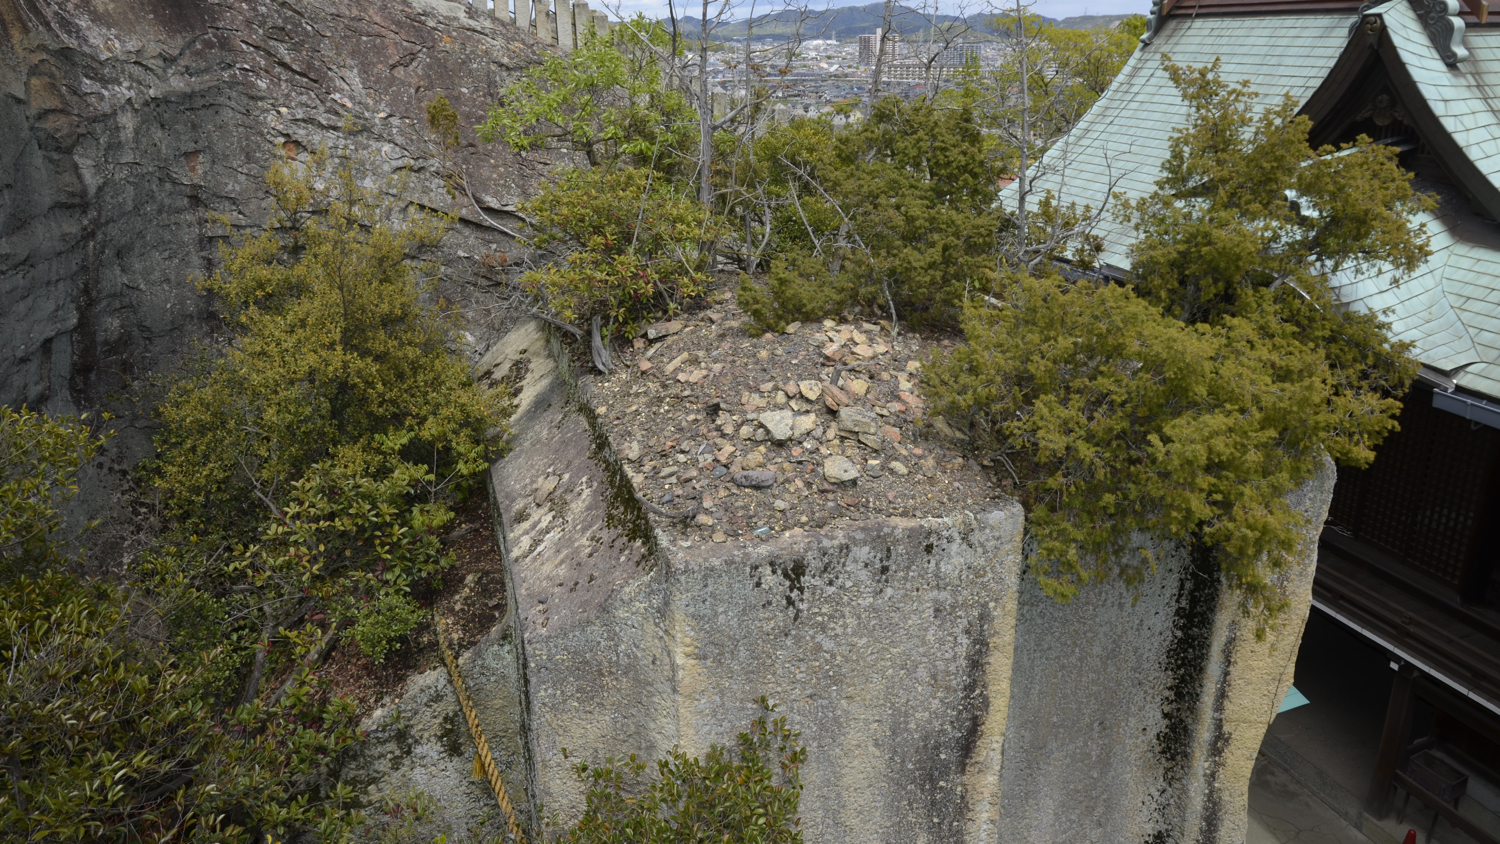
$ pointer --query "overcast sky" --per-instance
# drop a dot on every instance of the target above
(1050, 8)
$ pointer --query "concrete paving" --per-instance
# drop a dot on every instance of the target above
(1282, 811)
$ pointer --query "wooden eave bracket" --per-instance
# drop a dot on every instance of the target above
(1480, 8)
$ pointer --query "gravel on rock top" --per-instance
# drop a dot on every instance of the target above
(776, 432)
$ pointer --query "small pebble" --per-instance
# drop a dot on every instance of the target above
(719, 472)
(779, 504)
(755, 480)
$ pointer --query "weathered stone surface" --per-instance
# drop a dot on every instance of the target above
(840, 469)
(1136, 715)
(810, 390)
(803, 425)
(658, 330)
(778, 423)
(902, 713)
(941, 697)
(857, 420)
(126, 125)
(759, 479)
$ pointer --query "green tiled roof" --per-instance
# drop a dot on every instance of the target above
(1120, 144)
(1450, 307)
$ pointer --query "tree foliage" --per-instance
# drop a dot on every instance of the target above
(1188, 403)
(604, 100)
(106, 733)
(745, 796)
(39, 462)
(633, 246)
(1117, 419)
(1062, 72)
(309, 468)
(334, 348)
(900, 210)
(1248, 219)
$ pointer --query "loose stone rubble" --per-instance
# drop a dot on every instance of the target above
(825, 421)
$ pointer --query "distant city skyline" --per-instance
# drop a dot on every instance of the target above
(1049, 8)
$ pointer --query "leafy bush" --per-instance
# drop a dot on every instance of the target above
(751, 799)
(1189, 403)
(309, 467)
(1117, 419)
(900, 209)
(604, 99)
(1247, 219)
(39, 459)
(799, 288)
(105, 733)
(333, 349)
(638, 246)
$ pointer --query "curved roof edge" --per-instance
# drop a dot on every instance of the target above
(1444, 20)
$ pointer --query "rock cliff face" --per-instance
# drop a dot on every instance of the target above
(124, 124)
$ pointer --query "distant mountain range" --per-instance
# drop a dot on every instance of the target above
(848, 22)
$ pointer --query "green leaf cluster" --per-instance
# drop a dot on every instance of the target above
(308, 467)
(106, 732)
(1191, 401)
(1119, 421)
(745, 796)
(604, 99)
(635, 246)
(1247, 219)
(900, 211)
(39, 461)
(1063, 71)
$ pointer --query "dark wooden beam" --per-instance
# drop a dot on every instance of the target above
(1470, 714)
(1393, 740)
(1448, 812)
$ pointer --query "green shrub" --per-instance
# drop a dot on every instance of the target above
(799, 288)
(309, 468)
(1190, 402)
(1115, 419)
(899, 208)
(638, 247)
(388, 619)
(106, 733)
(748, 796)
(39, 461)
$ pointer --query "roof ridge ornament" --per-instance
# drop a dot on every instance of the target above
(1443, 25)
(1156, 18)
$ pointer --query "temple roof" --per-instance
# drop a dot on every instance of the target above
(1438, 87)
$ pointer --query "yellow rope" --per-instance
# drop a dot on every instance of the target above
(484, 763)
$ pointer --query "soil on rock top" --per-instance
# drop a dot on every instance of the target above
(748, 435)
